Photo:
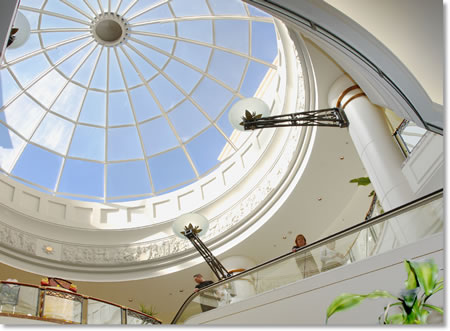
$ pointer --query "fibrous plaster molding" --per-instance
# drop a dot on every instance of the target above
(143, 252)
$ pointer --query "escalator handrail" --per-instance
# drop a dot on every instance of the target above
(343, 233)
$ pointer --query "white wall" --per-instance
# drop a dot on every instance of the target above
(411, 29)
(408, 98)
(305, 302)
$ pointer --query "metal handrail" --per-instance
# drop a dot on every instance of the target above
(84, 299)
(338, 235)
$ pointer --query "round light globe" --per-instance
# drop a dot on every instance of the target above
(253, 105)
(23, 34)
(193, 218)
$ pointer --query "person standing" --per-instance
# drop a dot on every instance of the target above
(201, 283)
(305, 261)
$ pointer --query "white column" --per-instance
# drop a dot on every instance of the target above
(244, 287)
(379, 153)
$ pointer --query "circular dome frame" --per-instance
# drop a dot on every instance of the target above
(150, 251)
(130, 149)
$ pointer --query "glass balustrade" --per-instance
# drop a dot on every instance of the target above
(62, 305)
(58, 305)
(99, 312)
(408, 135)
(17, 299)
(382, 233)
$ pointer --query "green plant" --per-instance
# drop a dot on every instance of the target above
(362, 181)
(147, 310)
(421, 284)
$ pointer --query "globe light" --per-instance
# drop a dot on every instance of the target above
(253, 105)
(190, 218)
(23, 34)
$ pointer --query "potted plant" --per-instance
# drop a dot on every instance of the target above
(421, 284)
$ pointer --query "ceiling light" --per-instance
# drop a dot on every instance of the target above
(23, 33)
(190, 226)
(251, 114)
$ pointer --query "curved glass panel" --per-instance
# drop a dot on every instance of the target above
(360, 242)
(126, 99)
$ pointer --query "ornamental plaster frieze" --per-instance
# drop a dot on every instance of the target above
(17, 240)
(236, 215)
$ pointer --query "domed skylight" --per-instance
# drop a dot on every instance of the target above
(126, 99)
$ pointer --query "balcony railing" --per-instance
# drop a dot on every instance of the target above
(57, 305)
(408, 135)
(377, 235)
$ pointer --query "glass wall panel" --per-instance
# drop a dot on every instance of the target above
(168, 95)
(10, 147)
(47, 88)
(183, 75)
(194, 54)
(157, 136)
(206, 148)
(119, 111)
(200, 30)
(182, 118)
(94, 109)
(84, 74)
(103, 313)
(153, 14)
(19, 299)
(69, 101)
(54, 133)
(124, 144)
(62, 305)
(38, 166)
(127, 178)
(212, 97)
(222, 72)
(229, 7)
(82, 177)
(233, 34)
(144, 105)
(170, 169)
(29, 69)
(264, 41)
(88, 142)
(381, 235)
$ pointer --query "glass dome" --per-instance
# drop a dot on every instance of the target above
(116, 100)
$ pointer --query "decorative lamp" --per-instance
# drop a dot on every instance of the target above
(252, 105)
(198, 221)
(191, 226)
(23, 33)
(251, 114)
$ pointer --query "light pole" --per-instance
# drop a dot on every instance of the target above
(189, 226)
(252, 113)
